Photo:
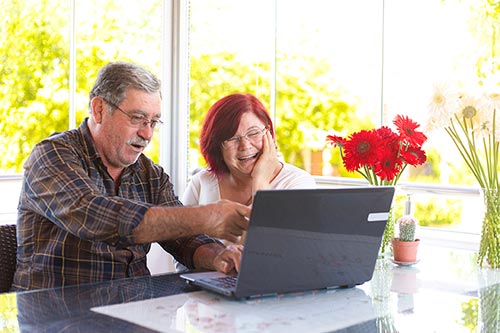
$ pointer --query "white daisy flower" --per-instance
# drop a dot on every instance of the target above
(442, 107)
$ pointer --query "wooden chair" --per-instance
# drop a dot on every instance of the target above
(8, 249)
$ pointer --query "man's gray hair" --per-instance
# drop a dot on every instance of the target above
(116, 78)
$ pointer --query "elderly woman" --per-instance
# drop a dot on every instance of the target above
(237, 142)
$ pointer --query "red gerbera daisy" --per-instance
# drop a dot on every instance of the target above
(388, 166)
(380, 155)
(386, 133)
(389, 139)
(407, 128)
(361, 150)
(335, 140)
(413, 156)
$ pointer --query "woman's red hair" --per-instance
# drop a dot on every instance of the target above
(221, 123)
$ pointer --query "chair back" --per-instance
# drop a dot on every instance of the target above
(8, 250)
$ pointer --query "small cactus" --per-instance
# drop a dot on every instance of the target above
(407, 225)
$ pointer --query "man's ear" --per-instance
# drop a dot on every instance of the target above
(97, 108)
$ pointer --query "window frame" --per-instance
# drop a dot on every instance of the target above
(174, 136)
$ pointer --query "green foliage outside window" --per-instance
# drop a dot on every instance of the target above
(34, 84)
(305, 102)
(34, 76)
(431, 211)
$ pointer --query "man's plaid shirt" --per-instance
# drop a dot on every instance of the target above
(75, 227)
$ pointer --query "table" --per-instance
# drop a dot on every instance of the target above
(444, 292)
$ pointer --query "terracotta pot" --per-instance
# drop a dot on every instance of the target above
(405, 251)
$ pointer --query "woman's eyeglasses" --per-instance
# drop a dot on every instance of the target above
(254, 136)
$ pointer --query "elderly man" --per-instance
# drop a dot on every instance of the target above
(92, 202)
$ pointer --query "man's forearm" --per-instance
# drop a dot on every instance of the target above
(224, 220)
(161, 223)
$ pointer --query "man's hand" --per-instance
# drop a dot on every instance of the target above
(217, 257)
(229, 259)
(226, 219)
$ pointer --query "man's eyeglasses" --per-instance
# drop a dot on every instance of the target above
(254, 136)
(136, 121)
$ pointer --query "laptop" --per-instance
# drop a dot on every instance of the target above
(306, 239)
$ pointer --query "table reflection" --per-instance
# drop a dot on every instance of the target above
(449, 287)
(444, 292)
(321, 311)
(310, 312)
(66, 309)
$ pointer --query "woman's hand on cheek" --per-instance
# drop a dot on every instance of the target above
(263, 170)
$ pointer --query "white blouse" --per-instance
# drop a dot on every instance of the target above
(204, 186)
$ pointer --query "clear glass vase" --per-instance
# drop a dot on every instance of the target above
(381, 295)
(489, 248)
(386, 245)
(489, 294)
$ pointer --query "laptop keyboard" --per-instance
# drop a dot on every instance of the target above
(224, 281)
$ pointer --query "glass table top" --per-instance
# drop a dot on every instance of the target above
(444, 291)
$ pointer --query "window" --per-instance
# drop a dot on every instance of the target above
(318, 66)
(343, 66)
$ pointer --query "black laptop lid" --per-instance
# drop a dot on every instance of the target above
(312, 239)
